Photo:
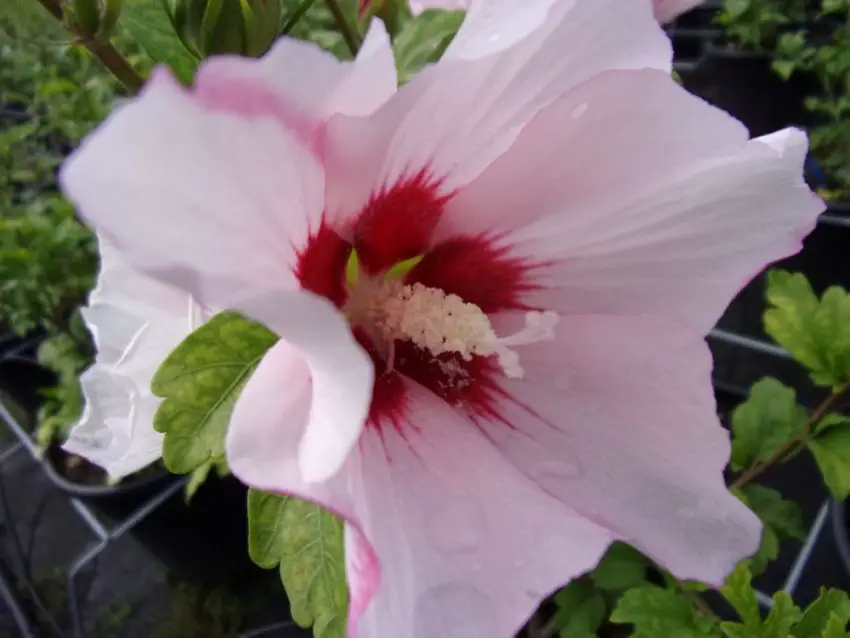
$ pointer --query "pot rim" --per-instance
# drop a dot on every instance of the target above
(161, 475)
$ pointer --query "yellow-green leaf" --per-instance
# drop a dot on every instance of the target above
(200, 382)
(306, 542)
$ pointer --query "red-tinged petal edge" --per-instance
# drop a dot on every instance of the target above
(220, 90)
(321, 264)
(479, 272)
(389, 400)
(397, 222)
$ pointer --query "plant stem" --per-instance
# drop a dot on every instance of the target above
(296, 15)
(698, 602)
(759, 468)
(102, 51)
(548, 630)
(534, 625)
(115, 63)
(349, 33)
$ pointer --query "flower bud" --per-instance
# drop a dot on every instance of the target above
(211, 27)
(93, 19)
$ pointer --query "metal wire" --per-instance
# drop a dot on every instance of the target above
(805, 554)
(13, 602)
(839, 531)
(21, 559)
(262, 631)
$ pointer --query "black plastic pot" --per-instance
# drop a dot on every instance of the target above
(21, 377)
(204, 539)
(115, 502)
(743, 84)
(839, 209)
(822, 260)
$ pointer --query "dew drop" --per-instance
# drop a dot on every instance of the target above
(457, 527)
(495, 37)
(565, 380)
(454, 610)
(578, 111)
(552, 471)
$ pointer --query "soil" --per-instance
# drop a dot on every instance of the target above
(77, 470)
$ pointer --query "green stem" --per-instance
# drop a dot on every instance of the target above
(548, 630)
(102, 51)
(299, 13)
(116, 64)
(535, 624)
(349, 33)
(697, 601)
(796, 444)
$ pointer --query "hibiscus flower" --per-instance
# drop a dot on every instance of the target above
(136, 322)
(665, 10)
(491, 287)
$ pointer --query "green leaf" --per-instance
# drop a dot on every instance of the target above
(622, 567)
(148, 23)
(782, 519)
(200, 382)
(424, 39)
(832, 603)
(831, 420)
(784, 68)
(656, 612)
(783, 615)
(784, 516)
(307, 542)
(199, 475)
(581, 610)
(814, 331)
(738, 590)
(769, 418)
(836, 627)
(736, 630)
(768, 551)
(831, 450)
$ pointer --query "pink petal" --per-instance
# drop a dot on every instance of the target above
(433, 544)
(136, 322)
(301, 83)
(317, 346)
(455, 117)
(107, 433)
(418, 6)
(662, 208)
(667, 10)
(616, 419)
(466, 545)
(213, 203)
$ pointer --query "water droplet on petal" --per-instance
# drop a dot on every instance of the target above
(495, 37)
(457, 527)
(578, 111)
(556, 471)
(565, 380)
(454, 610)
(554, 477)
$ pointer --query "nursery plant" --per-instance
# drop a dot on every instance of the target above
(808, 40)
(52, 93)
(435, 286)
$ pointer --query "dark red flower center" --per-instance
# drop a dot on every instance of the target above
(431, 323)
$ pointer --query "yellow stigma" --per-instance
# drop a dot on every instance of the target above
(441, 323)
(352, 268)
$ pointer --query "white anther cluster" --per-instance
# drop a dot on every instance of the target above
(441, 323)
